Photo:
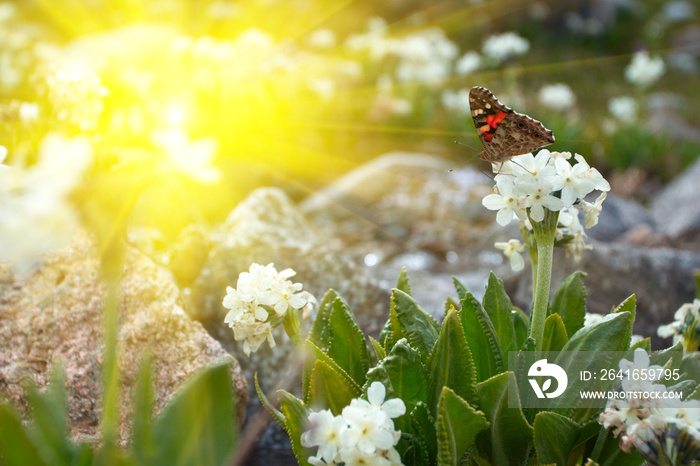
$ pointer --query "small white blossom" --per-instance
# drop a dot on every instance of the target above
(468, 63)
(572, 227)
(539, 197)
(28, 112)
(512, 250)
(593, 210)
(325, 431)
(557, 97)
(644, 70)
(624, 109)
(591, 318)
(322, 39)
(571, 181)
(501, 47)
(683, 328)
(507, 201)
(456, 102)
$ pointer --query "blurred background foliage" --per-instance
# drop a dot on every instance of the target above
(192, 103)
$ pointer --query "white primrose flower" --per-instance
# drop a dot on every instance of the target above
(508, 202)
(324, 432)
(557, 97)
(456, 102)
(624, 109)
(501, 47)
(686, 319)
(572, 227)
(593, 210)
(539, 197)
(260, 294)
(512, 250)
(644, 70)
(571, 180)
(468, 63)
(362, 435)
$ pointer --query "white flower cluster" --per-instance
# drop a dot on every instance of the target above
(501, 47)
(557, 97)
(640, 419)
(468, 63)
(363, 434)
(624, 109)
(528, 184)
(35, 214)
(644, 70)
(684, 327)
(261, 294)
(456, 102)
(76, 93)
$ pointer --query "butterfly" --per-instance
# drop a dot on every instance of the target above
(504, 133)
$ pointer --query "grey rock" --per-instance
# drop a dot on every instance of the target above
(56, 314)
(620, 216)
(676, 209)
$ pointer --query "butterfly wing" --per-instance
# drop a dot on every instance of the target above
(503, 132)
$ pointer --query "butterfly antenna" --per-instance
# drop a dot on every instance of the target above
(470, 158)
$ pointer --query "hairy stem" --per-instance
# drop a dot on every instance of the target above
(544, 236)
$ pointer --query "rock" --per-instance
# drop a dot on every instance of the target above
(674, 209)
(661, 279)
(55, 314)
(619, 216)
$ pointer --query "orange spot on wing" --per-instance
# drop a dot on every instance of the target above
(484, 128)
(499, 118)
(488, 137)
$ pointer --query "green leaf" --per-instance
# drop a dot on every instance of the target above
(696, 275)
(462, 290)
(414, 323)
(525, 359)
(450, 303)
(661, 358)
(296, 415)
(457, 427)
(16, 444)
(521, 327)
(450, 363)
(423, 424)
(385, 337)
(377, 349)
(555, 436)
(481, 339)
(50, 428)
(569, 301)
(198, 426)
(144, 449)
(320, 333)
(607, 334)
(330, 388)
(498, 307)
(403, 283)
(510, 437)
(314, 353)
(555, 336)
(612, 455)
(348, 347)
(406, 374)
(276, 414)
(628, 305)
(644, 344)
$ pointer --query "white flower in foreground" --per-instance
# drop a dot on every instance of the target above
(624, 109)
(501, 47)
(507, 202)
(324, 432)
(468, 63)
(644, 70)
(557, 97)
(591, 318)
(512, 250)
(539, 197)
(363, 434)
(571, 181)
(261, 294)
(191, 158)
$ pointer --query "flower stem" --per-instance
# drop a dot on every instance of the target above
(544, 237)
